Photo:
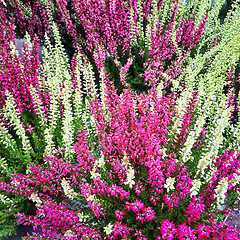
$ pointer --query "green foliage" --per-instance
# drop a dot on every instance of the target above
(9, 206)
(7, 225)
(133, 77)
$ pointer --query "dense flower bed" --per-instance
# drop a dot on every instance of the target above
(154, 158)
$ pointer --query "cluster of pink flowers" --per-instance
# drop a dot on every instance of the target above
(19, 74)
(32, 21)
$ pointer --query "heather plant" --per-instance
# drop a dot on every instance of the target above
(216, 51)
(159, 169)
(41, 109)
(7, 222)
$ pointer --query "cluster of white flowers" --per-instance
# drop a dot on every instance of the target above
(67, 189)
(67, 124)
(108, 229)
(88, 75)
(169, 185)
(216, 139)
(160, 89)
(82, 217)
(103, 94)
(36, 199)
(196, 131)
(202, 7)
(163, 151)
(221, 191)
(95, 174)
(130, 172)
(100, 163)
(14, 51)
(133, 27)
(130, 177)
(223, 56)
(6, 138)
(52, 84)
(181, 110)
(5, 200)
(10, 113)
(68, 233)
(140, 19)
(49, 141)
(3, 164)
(91, 198)
(195, 187)
(56, 70)
(38, 105)
(147, 34)
(51, 69)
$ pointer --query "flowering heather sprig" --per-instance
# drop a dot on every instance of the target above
(112, 21)
(10, 114)
(215, 62)
(66, 17)
(20, 74)
(7, 33)
(169, 41)
(195, 209)
(124, 69)
(167, 230)
(223, 174)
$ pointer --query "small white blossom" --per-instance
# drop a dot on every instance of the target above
(221, 190)
(68, 233)
(169, 184)
(130, 177)
(90, 198)
(108, 228)
(95, 175)
(101, 162)
(202, 164)
(36, 199)
(67, 189)
(195, 187)
(82, 217)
